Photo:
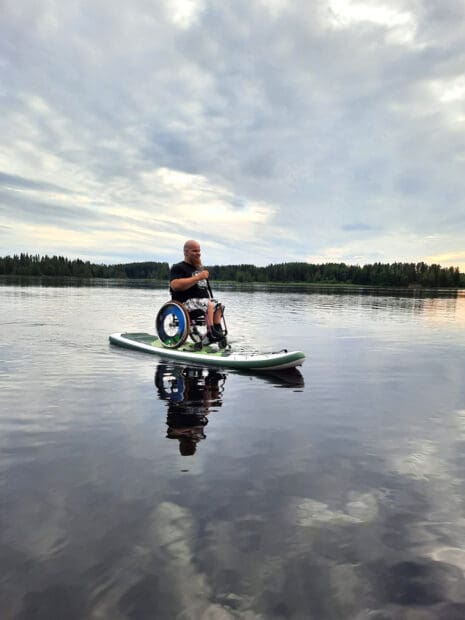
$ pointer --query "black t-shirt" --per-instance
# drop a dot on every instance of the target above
(185, 270)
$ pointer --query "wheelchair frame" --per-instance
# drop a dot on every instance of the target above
(174, 324)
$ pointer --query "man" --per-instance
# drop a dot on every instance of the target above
(188, 284)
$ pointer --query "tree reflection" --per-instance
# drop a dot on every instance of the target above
(191, 393)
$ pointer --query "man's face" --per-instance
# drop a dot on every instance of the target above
(192, 255)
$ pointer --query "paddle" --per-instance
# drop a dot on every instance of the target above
(210, 292)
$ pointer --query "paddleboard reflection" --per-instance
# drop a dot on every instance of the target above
(191, 393)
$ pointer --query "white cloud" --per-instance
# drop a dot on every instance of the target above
(400, 22)
(183, 13)
(449, 90)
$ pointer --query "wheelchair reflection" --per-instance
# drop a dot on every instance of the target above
(191, 393)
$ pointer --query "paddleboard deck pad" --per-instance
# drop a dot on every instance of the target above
(210, 355)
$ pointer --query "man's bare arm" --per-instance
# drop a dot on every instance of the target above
(182, 284)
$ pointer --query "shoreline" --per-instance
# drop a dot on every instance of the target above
(219, 284)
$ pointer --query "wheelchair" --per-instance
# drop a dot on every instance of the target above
(174, 324)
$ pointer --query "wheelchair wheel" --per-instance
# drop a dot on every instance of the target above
(172, 324)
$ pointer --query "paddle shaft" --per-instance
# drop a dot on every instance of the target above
(209, 288)
(210, 292)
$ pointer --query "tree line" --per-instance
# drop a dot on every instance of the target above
(59, 266)
(377, 274)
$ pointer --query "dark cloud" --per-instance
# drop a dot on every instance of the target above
(24, 208)
(357, 226)
(13, 181)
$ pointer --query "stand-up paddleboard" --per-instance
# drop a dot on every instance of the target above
(210, 355)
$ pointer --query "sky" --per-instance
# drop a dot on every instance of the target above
(270, 131)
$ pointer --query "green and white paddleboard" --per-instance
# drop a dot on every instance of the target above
(210, 355)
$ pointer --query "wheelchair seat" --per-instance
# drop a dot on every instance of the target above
(197, 316)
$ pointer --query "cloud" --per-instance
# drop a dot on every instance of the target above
(10, 181)
(271, 131)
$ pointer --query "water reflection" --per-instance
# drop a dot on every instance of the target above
(191, 393)
(288, 378)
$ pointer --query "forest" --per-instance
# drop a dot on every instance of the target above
(377, 274)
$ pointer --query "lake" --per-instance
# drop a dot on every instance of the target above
(134, 488)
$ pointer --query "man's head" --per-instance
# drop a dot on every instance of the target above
(192, 253)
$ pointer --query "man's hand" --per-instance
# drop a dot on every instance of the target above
(203, 275)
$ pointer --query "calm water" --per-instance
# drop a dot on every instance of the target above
(132, 488)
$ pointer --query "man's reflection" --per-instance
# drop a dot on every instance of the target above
(191, 393)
